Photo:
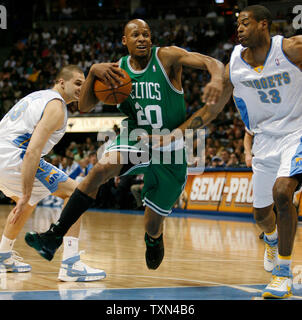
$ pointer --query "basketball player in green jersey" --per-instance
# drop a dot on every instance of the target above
(156, 102)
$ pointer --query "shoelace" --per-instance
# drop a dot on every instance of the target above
(277, 281)
(16, 256)
(271, 251)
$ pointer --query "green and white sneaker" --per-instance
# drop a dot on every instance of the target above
(155, 251)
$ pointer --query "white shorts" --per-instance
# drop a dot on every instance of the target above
(274, 157)
(46, 180)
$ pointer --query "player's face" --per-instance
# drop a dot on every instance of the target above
(72, 87)
(249, 30)
(137, 38)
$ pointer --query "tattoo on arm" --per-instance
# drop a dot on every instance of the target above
(195, 124)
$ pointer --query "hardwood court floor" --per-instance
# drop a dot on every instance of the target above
(205, 258)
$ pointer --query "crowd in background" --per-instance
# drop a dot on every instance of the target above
(34, 61)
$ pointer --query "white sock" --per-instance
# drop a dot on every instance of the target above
(6, 244)
(71, 247)
(272, 235)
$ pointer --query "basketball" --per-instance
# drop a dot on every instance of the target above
(113, 96)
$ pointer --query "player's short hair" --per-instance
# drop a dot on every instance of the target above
(260, 13)
(135, 21)
(67, 71)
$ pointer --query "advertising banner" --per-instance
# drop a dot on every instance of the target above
(225, 191)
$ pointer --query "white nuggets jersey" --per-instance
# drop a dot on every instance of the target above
(269, 98)
(17, 126)
(16, 129)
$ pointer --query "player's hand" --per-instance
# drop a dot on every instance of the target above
(19, 209)
(108, 72)
(212, 91)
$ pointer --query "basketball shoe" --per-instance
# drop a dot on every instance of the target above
(73, 269)
(45, 243)
(12, 262)
(270, 254)
(281, 284)
(154, 251)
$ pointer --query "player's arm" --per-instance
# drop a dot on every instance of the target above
(208, 113)
(200, 118)
(292, 47)
(109, 73)
(51, 121)
(175, 57)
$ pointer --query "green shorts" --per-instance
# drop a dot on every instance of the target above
(165, 173)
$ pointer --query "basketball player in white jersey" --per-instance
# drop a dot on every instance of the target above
(28, 132)
(265, 77)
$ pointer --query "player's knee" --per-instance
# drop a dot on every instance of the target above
(261, 214)
(100, 173)
(283, 195)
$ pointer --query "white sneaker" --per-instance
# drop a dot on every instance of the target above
(12, 262)
(281, 285)
(73, 269)
(270, 254)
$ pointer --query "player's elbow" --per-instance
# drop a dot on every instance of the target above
(85, 106)
(32, 154)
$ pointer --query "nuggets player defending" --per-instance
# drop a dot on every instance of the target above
(264, 75)
(156, 102)
(28, 132)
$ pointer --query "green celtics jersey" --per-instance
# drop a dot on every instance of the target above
(154, 103)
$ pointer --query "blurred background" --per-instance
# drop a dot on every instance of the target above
(42, 36)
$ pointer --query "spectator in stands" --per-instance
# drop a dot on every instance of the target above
(211, 151)
(208, 161)
(55, 160)
(70, 167)
(233, 161)
(225, 156)
(170, 15)
(7, 96)
(92, 160)
(217, 162)
(66, 13)
(79, 155)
